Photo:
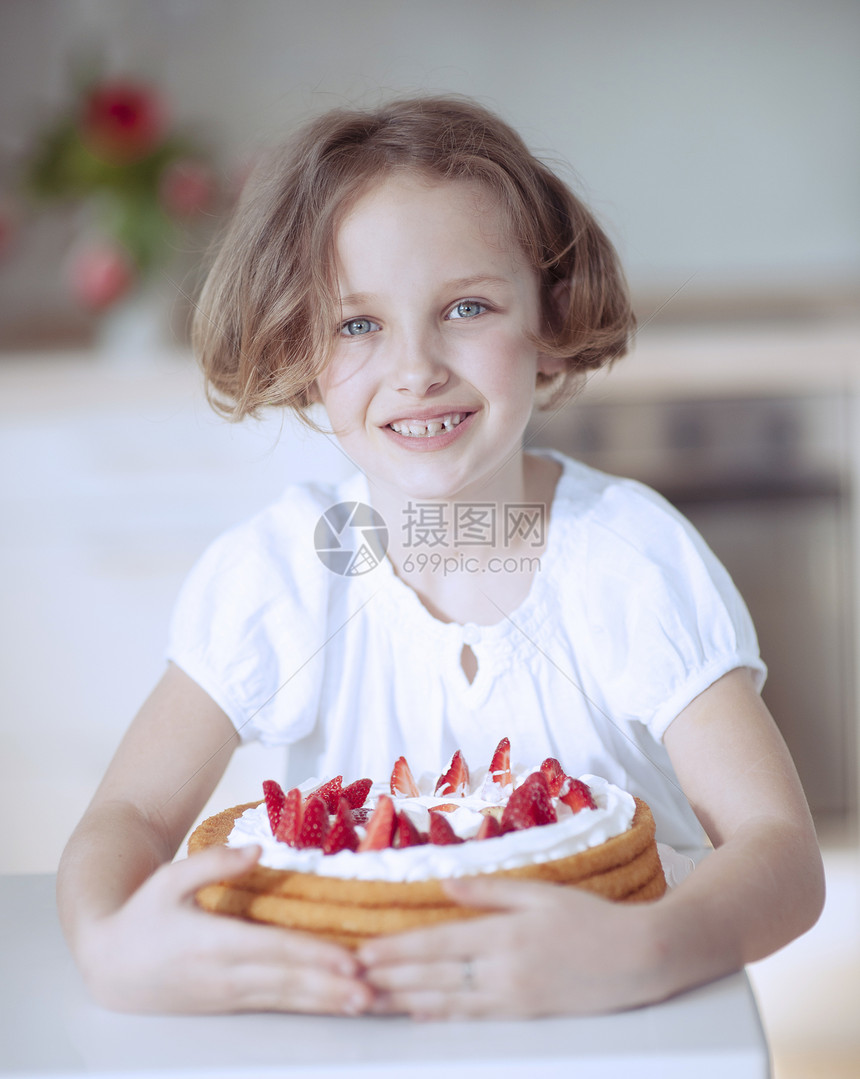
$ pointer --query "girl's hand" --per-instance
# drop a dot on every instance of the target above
(548, 951)
(161, 953)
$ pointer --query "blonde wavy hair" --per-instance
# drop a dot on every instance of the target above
(266, 319)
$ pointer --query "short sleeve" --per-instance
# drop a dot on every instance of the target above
(249, 620)
(666, 618)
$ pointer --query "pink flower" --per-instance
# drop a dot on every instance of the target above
(100, 274)
(186, 187)
(122, 121)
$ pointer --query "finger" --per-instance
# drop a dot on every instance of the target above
(495, 894)
(282, 948)
(245, 939)
(267, 966)
(448, 975)
(432, 987)
(454, 939)
(274, 987)
(429, 1004)
(209, 867)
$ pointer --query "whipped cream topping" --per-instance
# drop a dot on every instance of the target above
(573, 832)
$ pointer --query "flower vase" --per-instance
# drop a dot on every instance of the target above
(134, 331)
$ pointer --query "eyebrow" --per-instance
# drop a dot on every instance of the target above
(457, 284)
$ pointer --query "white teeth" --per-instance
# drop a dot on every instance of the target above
(417, 429)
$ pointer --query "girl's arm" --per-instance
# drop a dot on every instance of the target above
(764, 884)
(129, 913)
(553, 950)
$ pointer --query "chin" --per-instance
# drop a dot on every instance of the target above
(425, 485)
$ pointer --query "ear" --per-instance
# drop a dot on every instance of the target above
(559, 303)
(550, 366)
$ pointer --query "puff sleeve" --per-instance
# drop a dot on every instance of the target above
(665, 619)
(250, 619)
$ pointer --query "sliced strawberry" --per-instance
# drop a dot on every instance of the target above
(275, 798)
(529, 806)
(291, 817)
(455, 780)
(356, 793)
(555, 775)
(441, 832)
(500, 765)
(329, 792)
(406, 834)
(380, 827)
(542, 799)
(490, 828)
(361, 815)
(402, 782)
(314, 823)
(341, 834)
(576, 795)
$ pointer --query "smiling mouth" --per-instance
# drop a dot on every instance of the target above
(428, 428)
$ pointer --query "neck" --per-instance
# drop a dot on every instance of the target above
(437, 521)
(452, 551)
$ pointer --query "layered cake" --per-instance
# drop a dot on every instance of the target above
(355, 861)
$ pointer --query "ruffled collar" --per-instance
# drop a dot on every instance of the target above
(513, 638)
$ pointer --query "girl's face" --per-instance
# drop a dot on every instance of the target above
(432, 378)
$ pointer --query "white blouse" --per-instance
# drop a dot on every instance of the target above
(629, 617)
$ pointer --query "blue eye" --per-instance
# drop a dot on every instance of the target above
(467, 309)
(358, 327)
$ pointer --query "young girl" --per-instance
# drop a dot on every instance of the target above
(419, 274)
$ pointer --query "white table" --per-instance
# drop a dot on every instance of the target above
(49, 1027)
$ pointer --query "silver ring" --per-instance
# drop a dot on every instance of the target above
(468, 975)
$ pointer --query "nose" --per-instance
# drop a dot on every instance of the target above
(418, 364)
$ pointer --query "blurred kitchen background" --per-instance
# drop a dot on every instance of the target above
(720, 146)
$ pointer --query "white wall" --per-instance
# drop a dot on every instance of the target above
(114, 480)
(720, 142)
